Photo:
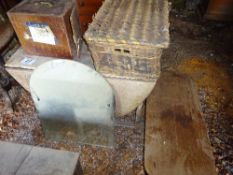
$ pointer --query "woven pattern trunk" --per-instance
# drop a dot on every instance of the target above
(126, 38)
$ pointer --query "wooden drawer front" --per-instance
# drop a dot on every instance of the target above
(88, 10)
(84, 21)
(82, 3)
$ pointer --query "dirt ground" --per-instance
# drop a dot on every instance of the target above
(200, 48)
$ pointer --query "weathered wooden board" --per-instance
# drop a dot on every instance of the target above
(17, 159)
(176, 141)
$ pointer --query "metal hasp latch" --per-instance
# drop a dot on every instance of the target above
(74, 103)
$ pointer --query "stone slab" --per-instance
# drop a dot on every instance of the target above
(12, 157)
(18, 159)
(43, 161)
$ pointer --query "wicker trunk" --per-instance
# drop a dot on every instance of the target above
(126, 38)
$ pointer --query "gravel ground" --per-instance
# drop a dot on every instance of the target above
(200, 49)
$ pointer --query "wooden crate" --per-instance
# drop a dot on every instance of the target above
(44, 28)
(126, 38)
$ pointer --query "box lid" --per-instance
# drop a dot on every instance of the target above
(139, 22)
(42, 7)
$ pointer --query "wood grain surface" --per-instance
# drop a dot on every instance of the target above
(56, 18)
(176, 136)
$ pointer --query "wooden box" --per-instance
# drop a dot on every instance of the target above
(46, 27)
(126, 38)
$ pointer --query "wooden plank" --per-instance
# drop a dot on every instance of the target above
(176, 136)
(17, 159)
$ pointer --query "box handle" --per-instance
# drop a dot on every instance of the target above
(125, 51)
